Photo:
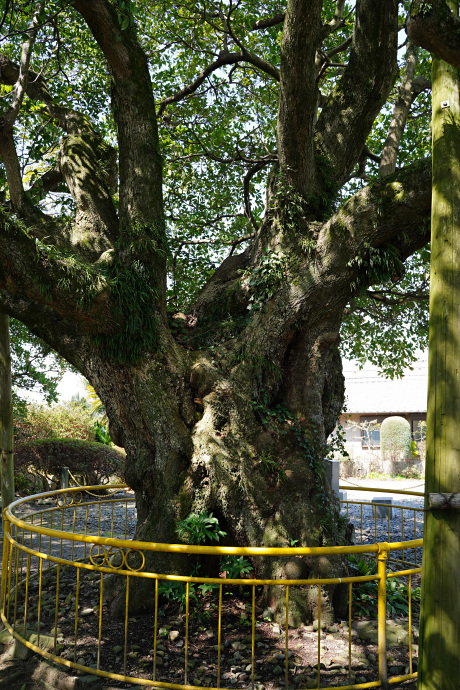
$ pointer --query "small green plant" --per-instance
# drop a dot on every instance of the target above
(235, 567)
(425, 7)
(197, 528)
(206, 587)
(101, 434)
(398, 597)
(270, 466)
(364, 593)
(365, 598)
(176, 591)
(275, 417)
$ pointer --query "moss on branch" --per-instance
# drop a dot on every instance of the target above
(122, 288)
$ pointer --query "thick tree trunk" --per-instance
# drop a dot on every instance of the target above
(238, 453)
(239, 427)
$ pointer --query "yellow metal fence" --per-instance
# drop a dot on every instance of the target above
(63, 550)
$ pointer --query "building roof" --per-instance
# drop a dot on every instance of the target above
(368, 393)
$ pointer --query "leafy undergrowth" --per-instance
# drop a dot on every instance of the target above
(365, 601)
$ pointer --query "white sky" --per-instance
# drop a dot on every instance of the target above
(70, 385)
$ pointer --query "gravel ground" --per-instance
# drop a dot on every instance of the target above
(403, 524)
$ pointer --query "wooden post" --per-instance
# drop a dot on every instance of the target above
(65, 478)
(439, 659)
(6, 415)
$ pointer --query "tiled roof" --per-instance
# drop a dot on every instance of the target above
(368, 393)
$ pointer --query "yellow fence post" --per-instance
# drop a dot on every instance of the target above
(6, 544)
(382, 610)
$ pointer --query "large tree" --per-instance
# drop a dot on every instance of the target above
(134, 135)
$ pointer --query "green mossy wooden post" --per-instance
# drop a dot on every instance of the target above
(6, 414)
(439, 661)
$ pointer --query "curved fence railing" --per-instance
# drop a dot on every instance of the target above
(68, 562)
(381, 520)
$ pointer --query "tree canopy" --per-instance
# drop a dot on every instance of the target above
(216, 74)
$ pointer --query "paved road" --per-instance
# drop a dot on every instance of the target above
(417, 485)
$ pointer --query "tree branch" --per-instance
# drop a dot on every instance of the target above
(45, 283)
(223, 59)
(405, 298)
(46, 183)
(340, 48)
(21, 84)
(298, 93)
(246, 190)
(400, 113)
(5, 13)
(378, 224)
(13, 170)
(82, 152)
(434, 27)
(349, 113)
(140, 160)
(7, 148)
(63, 335)
(419, 85)
(228, 243)
(267, 23)
(68, 119)
(336, 21)
(370, 154)
(395, 210)
(39, 223)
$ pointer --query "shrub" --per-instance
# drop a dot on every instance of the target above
(67, 420)
(89, 462)
(395, 439)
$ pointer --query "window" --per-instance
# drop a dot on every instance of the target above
(418, 426)
(370, 430)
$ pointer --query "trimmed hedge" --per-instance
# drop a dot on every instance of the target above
(90, 462)
(395, 438)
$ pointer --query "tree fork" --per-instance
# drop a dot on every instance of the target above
(439, 663)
